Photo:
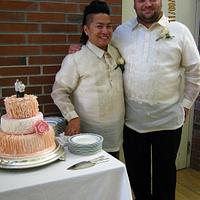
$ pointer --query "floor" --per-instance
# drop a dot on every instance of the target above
(188, 185)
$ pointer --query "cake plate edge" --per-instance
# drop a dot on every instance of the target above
(35, 161)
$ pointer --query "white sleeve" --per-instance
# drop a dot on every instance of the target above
(191, 63)
(65, 83)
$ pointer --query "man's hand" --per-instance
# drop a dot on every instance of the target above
(73, 127)
(73, 48)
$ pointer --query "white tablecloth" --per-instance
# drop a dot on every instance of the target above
(104, 181)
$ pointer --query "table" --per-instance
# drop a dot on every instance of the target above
(104, 181)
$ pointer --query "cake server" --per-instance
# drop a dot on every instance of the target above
(88, 163)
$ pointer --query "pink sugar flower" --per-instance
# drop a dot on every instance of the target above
(41, 127)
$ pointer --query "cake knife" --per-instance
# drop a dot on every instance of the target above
(88, 163)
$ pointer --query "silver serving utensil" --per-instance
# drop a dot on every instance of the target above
(88, 163)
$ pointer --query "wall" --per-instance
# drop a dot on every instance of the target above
(127, 10)
(34, 38)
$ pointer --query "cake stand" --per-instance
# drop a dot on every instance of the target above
(34, 161)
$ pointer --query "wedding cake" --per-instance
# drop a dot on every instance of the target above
(23, 130)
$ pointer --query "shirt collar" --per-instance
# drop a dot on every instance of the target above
(96, 50)
(163, 21)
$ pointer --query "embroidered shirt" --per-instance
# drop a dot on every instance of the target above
(155, 72)
(89, 88)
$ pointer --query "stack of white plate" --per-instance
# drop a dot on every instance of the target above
(85, 143)
(62, 139)
(58, 124)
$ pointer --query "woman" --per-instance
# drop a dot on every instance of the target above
(88, 88)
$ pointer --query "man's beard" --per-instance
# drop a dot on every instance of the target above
(151, 19)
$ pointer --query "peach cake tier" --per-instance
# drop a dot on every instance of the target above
(23, 107)
(26, 145)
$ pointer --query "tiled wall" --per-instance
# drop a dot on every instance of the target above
(34, 38)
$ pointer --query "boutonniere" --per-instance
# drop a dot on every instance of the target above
(164, 34)
(120, 63)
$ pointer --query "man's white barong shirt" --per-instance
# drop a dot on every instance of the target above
(153, 80)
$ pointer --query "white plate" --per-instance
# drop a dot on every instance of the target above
(62, 139)
(85, 139)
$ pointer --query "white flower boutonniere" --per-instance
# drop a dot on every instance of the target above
(120, 63)
(164, 34)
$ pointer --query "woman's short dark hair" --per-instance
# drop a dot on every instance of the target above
(96, 6)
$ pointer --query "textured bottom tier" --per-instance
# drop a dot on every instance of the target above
(26, 145)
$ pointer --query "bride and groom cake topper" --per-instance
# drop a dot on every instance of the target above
(19, 88)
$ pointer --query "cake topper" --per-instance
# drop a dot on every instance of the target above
(19, 88)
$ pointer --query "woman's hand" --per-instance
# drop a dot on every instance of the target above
(73, 127)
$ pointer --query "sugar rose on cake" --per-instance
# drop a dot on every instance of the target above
(41, 127)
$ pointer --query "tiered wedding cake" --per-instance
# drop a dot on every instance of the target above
(23, 131)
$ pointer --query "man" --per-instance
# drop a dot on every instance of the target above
(156, 53)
